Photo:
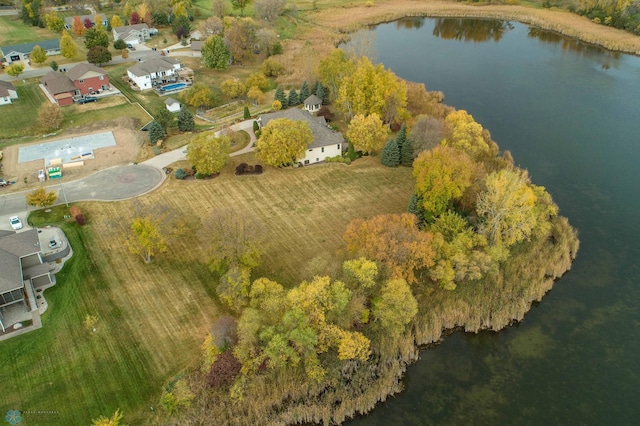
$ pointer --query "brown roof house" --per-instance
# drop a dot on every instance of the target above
(7, 92)
(326, 141)
(59, 87)
(83, 79)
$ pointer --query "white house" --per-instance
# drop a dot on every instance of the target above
(7, 92)
(172, 105)
(312, 103)
(133, 34)
(154, 71)
(326, 141)
(21, 52)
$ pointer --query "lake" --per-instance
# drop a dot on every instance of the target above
(570, 115)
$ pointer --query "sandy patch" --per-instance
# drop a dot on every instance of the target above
(128, 143)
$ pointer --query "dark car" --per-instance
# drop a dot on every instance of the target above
(87, 99)
(130, 46)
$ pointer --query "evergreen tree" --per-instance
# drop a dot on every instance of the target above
(156, 132)
(414, 208)
(247, 114)
(390, 154)
(293, 98)
(280, 96)
(304, 91)
(401, 137)
(320, 93)
(406, 153)
(351, 152)
(185, 121)
(314, 89)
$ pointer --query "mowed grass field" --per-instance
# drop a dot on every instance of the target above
(153, 317)
(13, 31)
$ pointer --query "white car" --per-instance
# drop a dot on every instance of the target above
(16, 223)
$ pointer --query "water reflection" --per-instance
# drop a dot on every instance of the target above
(476, 30)
(414, 23)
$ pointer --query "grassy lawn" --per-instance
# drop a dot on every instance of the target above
(153, 317)
(76, 115)
(19, 118)
(13, 31)
(148, 99)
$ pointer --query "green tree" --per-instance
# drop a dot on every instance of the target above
(181, 26)
(334, 69)
(54, 22)
(15, 69)
(367, 133)
(38, 55)
(320, 93)
(96, 37)
(165, 118)
(119, 44)
(293, 98)
(281, 97)
(54, 65)
(257, 79)
(234, 287)
(108, 421)
(41, 198)
(146, 239)
(415, 208)
(186, 122)
(390, 154)
(199, 95)
(304, 91)
(240, 4)
(98, 55)
(362, 271)
(215, 53)
(395, 307)
(246, 113)
(208, 153)
(283, 142)
(156, 132)
(272, 68)
(442, 177)
(233, 88)
(50, 116)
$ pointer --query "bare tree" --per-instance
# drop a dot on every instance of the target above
(269, 10)
(362, 43)
(211, 26)
(219, 8)
(426, 134)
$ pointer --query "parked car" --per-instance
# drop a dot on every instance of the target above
(15, 222)
(87, 99)
(153, 31)
(130, 46)
(3, 182)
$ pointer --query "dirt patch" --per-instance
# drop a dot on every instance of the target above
(128, 142)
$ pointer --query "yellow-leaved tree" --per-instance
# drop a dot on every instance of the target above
(283, 141)
(367, 133)
(68, 48)
(208, 153)
(146, 238)
(41, 197)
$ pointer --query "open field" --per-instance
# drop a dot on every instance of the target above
(13, 31)
(18, 119)
(152, 318)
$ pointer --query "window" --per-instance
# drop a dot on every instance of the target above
(317, 159)
(311, 150)
(102, 77)
(322, 149)
(306, 161)
(81, 81)
(338, 146)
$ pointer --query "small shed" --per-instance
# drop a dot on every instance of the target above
(172, 105)
(312, 103)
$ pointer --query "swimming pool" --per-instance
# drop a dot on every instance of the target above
(174, 86)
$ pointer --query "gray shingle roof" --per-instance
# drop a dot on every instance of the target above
(28, 47)
(81, 69)
(323, 135)
(5, 86)
(57, 82)
(151, 66)
(125, 30)
(312, 100)
(171, 101)
(12, 248)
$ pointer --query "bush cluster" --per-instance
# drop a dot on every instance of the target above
(338, 159)
(247, 169)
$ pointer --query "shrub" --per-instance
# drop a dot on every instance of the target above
(338, 159)
(224, 370)
(241, 168)
(247, 114)
(325, 112)
(74, 211)
(80, 219)
(256, 127)
(157, 150)
(257, 169)
(202, 175)
(180, 174)
(54, 65)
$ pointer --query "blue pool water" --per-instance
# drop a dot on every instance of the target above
(174, 86)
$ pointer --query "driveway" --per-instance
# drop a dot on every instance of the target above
(112, 184)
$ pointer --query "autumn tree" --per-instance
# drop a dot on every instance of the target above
(255, 94)
(257, 79)
(96, 37)
(219, 8)
(268, 41)
(240, 37)
(77, 26)
(215, 53)
(367, 133)
(146, 238)
(233, 287)
(426, 133)
(211, 26)
(442, 176)
(466, 134)
(186, 123)
(208, 153)
(98, 55)
(87, 23)
(15, 69)
(50, 116)
(116, 21)
(272, 68)
(54, 22)
(41, 198)
(108, 421)
(240, 4)
(269, 10)
(393, 240)
(334, 69)
(233, 88)
(362, 272)
(68, 47)
(199, 95)
(283, 141)
(395, 307)
(134, 18)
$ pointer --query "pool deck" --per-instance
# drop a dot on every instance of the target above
(170, 92)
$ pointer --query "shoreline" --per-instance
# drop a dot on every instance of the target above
(348, 19)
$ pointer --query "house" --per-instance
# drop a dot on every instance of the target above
(89, 78)
(21, 52)
(313, 103)
(133, 34)
(68, 21)
(7, 92)
(326, 141)
(172, 105)
(23, 271)
(154, 71)
(59, 87)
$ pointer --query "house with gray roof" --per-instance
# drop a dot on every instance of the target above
(133, 34)
(326, 141)
(21, 52)
(7, 92)
(312, 103)
(151, 72)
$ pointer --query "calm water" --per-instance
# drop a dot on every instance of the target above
(570, 114)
